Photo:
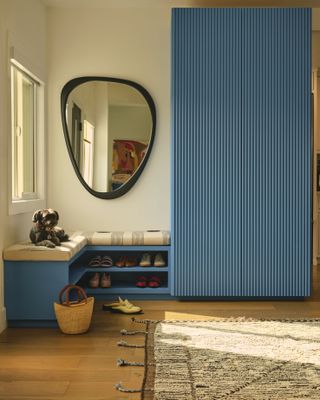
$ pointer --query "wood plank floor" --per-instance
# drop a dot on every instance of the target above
(46, 365)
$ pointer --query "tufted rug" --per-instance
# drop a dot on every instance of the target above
(233, 359)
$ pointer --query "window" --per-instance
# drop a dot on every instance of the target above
(24, 132)
(27, 105)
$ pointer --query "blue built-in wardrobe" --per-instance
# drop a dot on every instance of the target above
(241, 152)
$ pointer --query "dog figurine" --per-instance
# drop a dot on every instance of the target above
(45, 231)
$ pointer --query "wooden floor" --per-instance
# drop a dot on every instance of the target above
(44, 364)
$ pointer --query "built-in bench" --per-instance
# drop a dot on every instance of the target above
(34, 275)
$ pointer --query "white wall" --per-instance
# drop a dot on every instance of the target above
(24, 21)
(131, 43)
(316, 49)
(316, 19)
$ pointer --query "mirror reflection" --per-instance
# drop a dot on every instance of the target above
(109, 128)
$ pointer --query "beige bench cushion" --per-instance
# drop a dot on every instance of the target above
(133, 238)
(27, 251)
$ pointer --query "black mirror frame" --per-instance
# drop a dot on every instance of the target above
(68, 87)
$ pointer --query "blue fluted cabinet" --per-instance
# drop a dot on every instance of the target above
(241, 152)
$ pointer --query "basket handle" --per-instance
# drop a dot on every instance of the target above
(67, 290)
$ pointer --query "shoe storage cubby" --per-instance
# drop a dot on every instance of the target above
(121, 264)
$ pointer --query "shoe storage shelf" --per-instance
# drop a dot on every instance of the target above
(32, 286)
(123, 279)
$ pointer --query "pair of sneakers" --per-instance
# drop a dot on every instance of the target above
(157, 262)
(122, 307)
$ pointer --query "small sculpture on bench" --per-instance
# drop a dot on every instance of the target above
(45, 231)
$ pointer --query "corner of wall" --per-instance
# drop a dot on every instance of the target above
(3, 320)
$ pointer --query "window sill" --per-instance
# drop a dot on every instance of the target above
(25, 206)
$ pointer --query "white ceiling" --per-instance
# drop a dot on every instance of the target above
(179, 3)
(105, 3)
(188, 3)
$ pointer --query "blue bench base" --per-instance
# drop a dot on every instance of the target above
(32, 287)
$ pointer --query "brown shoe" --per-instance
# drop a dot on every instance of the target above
(131, 261)
(121, 262)
(94, 280)
(105, 280)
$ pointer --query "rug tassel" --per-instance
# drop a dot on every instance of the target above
(122, 343)
(123, 363)
(145, 321)
(119, 387)
(128, 333)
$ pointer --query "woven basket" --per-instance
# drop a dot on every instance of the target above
(74, 317)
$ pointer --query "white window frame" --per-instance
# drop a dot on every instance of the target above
(26, 205)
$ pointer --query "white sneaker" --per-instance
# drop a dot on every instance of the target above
(159, 261)
(145, 260)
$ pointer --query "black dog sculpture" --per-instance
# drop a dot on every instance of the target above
(45, 231)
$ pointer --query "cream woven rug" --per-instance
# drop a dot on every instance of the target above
(234, 359)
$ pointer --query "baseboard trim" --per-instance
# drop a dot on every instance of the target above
(33, 323)
(3, 320)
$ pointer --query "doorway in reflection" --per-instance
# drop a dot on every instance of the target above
(110, 126)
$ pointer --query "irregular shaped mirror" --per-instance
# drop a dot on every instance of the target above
(109, 126)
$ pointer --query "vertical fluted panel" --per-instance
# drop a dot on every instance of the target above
(206, 115)
(276, 143)
(241, 152)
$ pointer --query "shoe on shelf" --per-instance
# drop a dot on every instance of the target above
(106, 261)
(131, 261)
(154, 282)
(121, 262)
(94, 280)
(142, 282)
(105, 281)
(95, 262)
(145, 260)
(159, 261)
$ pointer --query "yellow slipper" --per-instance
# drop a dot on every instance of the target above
(122, 306)
(126, 309)
(116, 303)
